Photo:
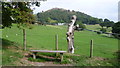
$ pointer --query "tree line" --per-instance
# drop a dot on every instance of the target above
(59, 15)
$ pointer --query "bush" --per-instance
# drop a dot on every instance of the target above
(99, 32)
(116, 29)
(103, 30)
(80, 27)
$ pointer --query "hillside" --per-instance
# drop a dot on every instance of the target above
(43, 38)
(59, 15)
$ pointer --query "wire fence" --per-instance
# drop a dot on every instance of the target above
(89, 35)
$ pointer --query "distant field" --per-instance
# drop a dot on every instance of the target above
(93, 27)
(97, 27)
(43, 37)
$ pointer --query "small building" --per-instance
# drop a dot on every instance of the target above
(61, 23)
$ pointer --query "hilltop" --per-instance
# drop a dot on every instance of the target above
(60, 15)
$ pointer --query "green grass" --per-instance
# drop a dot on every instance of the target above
(97, 28)
(103, 46)
(11, 53)
(86, 61)
(40, 37)
(43, 38)
(93, 27)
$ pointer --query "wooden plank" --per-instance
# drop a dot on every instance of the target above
(48, 51)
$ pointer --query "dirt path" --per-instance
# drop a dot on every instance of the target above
(24, 62)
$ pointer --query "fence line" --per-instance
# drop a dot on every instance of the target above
(59, 35)
(102, 32)
(89, 43)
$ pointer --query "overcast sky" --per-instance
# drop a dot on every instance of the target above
(96, 8)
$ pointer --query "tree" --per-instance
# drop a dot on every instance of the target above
(13, 12)
(109, 24)
(103, 30)
(51, 20)
(116, 29)
(81, 26)
(20, 13)
(106, 20)
(64, 16)
(102, 24)
(100, 20)
(70, 35)
(106, 23)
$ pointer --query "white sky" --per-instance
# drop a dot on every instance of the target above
(96, 8)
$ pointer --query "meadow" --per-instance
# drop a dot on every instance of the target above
(43, 38)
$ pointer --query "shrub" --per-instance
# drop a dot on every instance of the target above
(116, 29)
(103, 30)
(99, 32)
(80, 27)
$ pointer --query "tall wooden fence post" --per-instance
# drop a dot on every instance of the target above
(24, 39)
(91, 48)
(56, 43)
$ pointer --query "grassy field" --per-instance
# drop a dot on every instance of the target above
(43, 38)
(93, 27)
(98, 27)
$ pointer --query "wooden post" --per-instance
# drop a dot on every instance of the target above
(91, 48)
(61, 57)
(56, 43)
(24, 39)
(34, 55)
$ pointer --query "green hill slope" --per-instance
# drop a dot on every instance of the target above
(59, 15)
(43, 38)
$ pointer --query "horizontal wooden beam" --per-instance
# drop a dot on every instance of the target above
(47, 51)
